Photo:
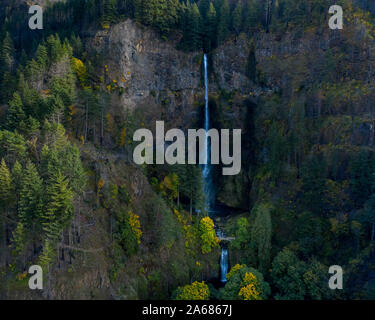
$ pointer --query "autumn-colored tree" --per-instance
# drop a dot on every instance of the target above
(209, 239)
(128, 233)
(251, 287)
(135, 226)
(80, 70)
(245, 283)
(169, 187)
(195, 291)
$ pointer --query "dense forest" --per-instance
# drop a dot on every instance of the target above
(73, 202)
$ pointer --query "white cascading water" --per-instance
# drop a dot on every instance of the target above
(224, 265)
(207, 173)
(207, 166)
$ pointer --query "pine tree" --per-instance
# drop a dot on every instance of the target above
(15, 114)
(41, 57)
(142, 14)
(369, 214)
(6, 66)
(269, 7)
(191, 39)
(6, 186)
(17, 178)
(251, 66)
(224, 22)
(110, 12)
(253, 15)
(261, 234)
(19, 239)
(6, 198)
(212, 27)
(30, 203)
(204, 7)
(59, 206)
(237, 18)
(195, 27)
(7, 51)
(362, 177)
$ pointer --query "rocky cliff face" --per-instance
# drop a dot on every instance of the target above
(166, 83)
(154, 74)
(151, 72)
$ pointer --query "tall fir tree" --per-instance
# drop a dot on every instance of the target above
(58, 206)
(237, 18)
(6, 199)
(223, 22)
(6, 66)
(212, 27)
(15, 113)
(251, 65)
(261, 234)
(30, 204)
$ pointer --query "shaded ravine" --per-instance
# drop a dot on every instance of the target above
(209, 189)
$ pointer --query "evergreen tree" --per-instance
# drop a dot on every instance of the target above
(313, 177)
(6, 198)
(362, 177)
(59, 207)
(224, 22)
(204, 7)
(6, 186)
(251, 66)
(30, 203)
(15, 114)
(192, 39)
(298, 280)
(369, 215)
(253, 15)
(237, 17)
(6, 54)
(211, 27)
(17, 178)
(261, 234)
(6, 66)
(109, 11)
(41, 57)
(19, 239)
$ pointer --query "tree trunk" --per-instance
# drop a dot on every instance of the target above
(102, 128)
(86, 120)
(178, 198)
(191, 203)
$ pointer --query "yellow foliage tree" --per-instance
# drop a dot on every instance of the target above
(100, 185)
(195, 291)
(251, 288)
(209, 240)
(135, 225)
(80, 70)
(236, 268)
(122, 137)
(169, 186)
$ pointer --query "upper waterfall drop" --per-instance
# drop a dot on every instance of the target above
(207, 172)
(206, 168)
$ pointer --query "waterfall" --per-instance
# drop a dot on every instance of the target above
(224, 265)
(207, 173)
